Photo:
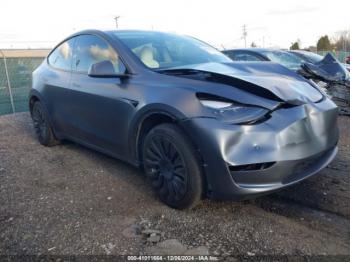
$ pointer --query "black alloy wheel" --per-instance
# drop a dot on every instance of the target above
(171, 165)
(42, 126)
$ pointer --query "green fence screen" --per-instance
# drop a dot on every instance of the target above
(19, 80)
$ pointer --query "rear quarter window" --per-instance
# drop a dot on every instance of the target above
(61, 56)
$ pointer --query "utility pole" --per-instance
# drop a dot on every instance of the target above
(263, 40)
(116, 21)
(244, 36)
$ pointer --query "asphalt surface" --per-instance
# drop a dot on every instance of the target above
(69, 200)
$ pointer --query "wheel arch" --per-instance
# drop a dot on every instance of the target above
(143, 123)
(32, 100)
(149, 119)
(34, 96)
(145, 120)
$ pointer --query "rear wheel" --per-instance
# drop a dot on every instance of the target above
(171, 164)
(42, 126)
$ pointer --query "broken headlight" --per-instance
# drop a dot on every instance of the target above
(235, 113)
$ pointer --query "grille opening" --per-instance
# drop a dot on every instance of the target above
(251, 167)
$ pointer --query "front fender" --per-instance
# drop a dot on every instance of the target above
(144, 113)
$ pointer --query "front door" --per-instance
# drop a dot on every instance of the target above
(99, 106)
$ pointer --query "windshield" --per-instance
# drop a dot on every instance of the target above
(288, 60)
(163, 50)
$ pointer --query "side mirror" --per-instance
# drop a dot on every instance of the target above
(104, 69)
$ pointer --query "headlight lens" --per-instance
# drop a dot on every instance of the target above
(235, 113)
(215, 104)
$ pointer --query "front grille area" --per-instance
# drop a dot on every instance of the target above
(251, 167)
(307, 166)
(301, 167)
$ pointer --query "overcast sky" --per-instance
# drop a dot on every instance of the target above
(42, 23)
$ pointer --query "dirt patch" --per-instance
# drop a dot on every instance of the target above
(69, 200)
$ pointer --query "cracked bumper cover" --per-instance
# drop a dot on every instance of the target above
(299, 141)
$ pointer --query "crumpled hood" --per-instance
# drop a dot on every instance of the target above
(280, 81)
(329, 69)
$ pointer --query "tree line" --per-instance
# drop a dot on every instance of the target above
(340, 42)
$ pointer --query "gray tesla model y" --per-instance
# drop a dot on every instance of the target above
(198, 124)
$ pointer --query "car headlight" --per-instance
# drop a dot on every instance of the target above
(235, 113)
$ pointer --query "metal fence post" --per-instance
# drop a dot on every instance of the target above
(8, 82)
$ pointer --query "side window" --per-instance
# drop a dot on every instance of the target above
(245, 57)
(230, 54)
(61, 57)
(90, 49)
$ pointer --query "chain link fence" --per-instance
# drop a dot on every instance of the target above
(16, 79)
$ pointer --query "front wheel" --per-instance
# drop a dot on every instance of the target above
(42, 126)
(171, 164)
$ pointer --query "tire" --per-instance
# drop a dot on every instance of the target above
(170, 163)
(42, 126)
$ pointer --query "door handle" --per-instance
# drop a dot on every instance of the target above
(76, 85)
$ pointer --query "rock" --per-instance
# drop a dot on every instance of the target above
(250, 254)
(198, 251)
(167, 247)
(127, 221)
(108, 248)
(154, 238)
(26, 236)
(150, 231)
(131, 231)
(144, 221)
(171, 243)
(216, 253)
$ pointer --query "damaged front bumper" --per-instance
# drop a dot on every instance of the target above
(244, 161)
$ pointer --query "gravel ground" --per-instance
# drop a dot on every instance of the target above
(69, 200)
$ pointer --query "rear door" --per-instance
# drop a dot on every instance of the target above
(56, 84)
(99, 106)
